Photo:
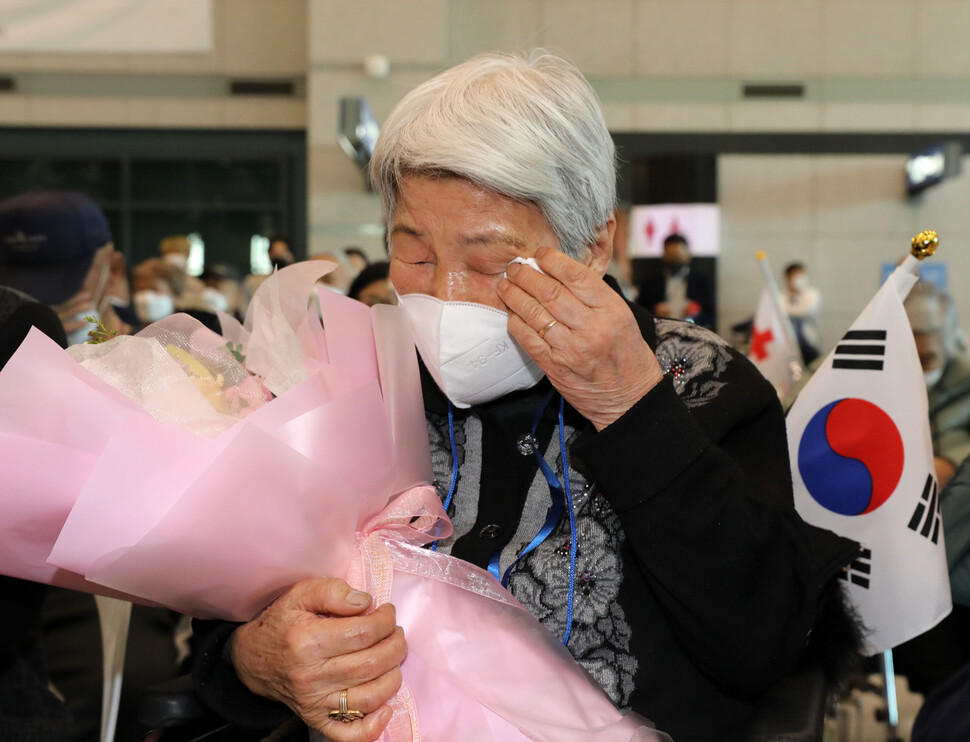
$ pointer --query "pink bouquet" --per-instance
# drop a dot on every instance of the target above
(208, 473)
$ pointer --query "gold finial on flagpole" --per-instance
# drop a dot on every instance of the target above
(924, 244)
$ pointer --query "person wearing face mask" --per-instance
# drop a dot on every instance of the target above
(56, 246)
(280, 254)
(157, 283)
(803, 302)
(175, 250)
(946, 368)
(695, 585)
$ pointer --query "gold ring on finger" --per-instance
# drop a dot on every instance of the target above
(544, 330)
(344, 714)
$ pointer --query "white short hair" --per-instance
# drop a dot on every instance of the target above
(527, 127)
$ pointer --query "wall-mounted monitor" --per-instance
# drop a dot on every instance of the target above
(357, 131)
(932, 165)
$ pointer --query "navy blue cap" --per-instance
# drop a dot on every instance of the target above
(47, 242)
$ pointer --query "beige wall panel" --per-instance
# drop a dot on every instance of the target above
(684, 38)
(944, 207)
(777, 116)
(496, 25)
(848, 273)
(863, 195)
(236, 113)
(265, 38)
(340, 211)
(941, 38)
(178, 112)
(597, 36)
(57, 111)
(330, 170)
(619, 116)
(325, 88)
(14, 110)
(406, 31)
(767, 195)
(268, 113)
(260, 37)
(869, 38)
(775, 39)
(948, 117)
(868, 116)
(681, 117)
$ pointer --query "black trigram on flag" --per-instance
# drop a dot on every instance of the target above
(858, 572)
(926, 518)
(861, 350)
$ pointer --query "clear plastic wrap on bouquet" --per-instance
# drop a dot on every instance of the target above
(208, 473)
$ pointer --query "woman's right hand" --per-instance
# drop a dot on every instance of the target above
(312, 643)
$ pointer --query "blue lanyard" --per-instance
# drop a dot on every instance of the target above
(562, 499)
(454, 465)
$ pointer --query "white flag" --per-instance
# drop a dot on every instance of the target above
(862, 466)
(773, 349)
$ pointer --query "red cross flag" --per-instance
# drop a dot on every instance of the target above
(862, 466)
(774, 350)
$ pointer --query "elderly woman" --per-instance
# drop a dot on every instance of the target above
(695, 584)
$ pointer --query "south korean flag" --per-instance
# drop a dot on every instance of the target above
(862, 466)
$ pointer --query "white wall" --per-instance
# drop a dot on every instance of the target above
(251, 39)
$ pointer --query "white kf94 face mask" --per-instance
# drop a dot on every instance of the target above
(468, 350)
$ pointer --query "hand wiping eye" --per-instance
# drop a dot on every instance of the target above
(531, 262)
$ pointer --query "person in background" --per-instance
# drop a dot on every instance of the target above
(175, 250)
(676, 291)
(56, 247)
(373, 286)
(946, 369)
(224, 291)
(158, 283)
(356, 258)
(803, 301)
(339, 278)
(280, 253)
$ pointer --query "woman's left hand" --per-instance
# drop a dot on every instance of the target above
(594, 353)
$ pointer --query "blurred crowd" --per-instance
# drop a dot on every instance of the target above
(61, 272)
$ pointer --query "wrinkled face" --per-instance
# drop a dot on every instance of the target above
(453, 240)
(932, 352)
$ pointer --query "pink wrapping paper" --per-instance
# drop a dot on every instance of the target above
(327, 479)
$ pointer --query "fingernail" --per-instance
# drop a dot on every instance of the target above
(357, 598)
(384, 716)
(504, 284)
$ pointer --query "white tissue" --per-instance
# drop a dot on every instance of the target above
(531, 262)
